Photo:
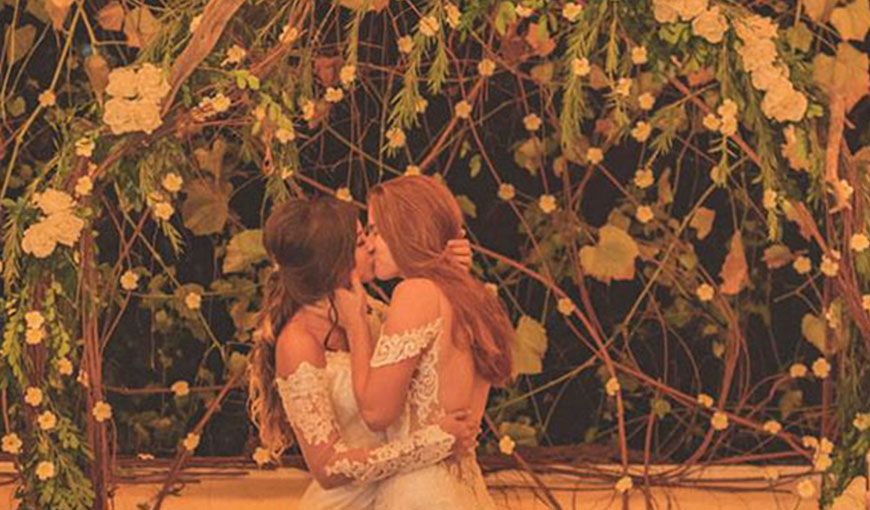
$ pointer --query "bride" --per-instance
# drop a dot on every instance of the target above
(300, 360)
(445, 341)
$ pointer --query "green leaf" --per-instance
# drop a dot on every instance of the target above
(530, 347)
(244, 249)
(504, 16)
(467, 206)
(207, 206)
(16, 106)
(520, 431)
(789, 401)
(612, 258)
(799, 37)
(660, 407)
(474, 165)
(846, 74)
(853, 20)
(813, 329)
(21, 42)
(237, 364)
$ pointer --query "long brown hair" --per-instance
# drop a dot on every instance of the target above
(417, 216)
(311, 243)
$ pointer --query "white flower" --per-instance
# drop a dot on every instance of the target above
(830, 266)
(85, 147)
(421, 105)
(532, 122)
(102, 411)
(47, 420)
(711, 25)
(462, 109)
(129, 280)
(623, 87)
(347, 75)
(396, 138)
(705, 400)
(506, 445)
(565, 306)
(33, 396)
(769, 199)
(453, 15)
(411, 170)
(547, 203)
(638, 55)
(771, 473)
(688, 9)
(859, 242)
(288, 34)
(821, 368)
(786, 104)
(191, 441)
(865, 302)
(34, 319)
(45, 470)
(64, 366)
(612, 387)
(712, 122)
(163, 210)
(194, 23)
(193, 300)
(405, 44)
(727, 109)
(333, 95)
(429, 26)
(52, 201)
(771, 77)
(491, 288)
(12, 444)
(144, 456)
(705, 292)
(802, 264)
(47, 99)
(772, 427)
(594, 155)
(235, 55)
(646, 101)
(641, 131)
(180, 388)
(644, 178)
(571, 11)
(665, 11)
(719, 421)
(343, 194)
(806, 489)
(797, 370)
(623, 485)
(34, 336)
(822, 461)
(486, 67)
(172, 182)
(861, 421)
(506, 191)
(261, 456)
(644, 214)
(580, 67)
(84, 186)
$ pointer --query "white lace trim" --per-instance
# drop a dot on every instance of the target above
(407, 344)
(305, 396)
(423, 392)
(422, 448)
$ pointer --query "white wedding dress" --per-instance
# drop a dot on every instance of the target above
(320, 404)
(450, 484)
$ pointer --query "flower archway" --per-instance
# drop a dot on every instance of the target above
(670, 195)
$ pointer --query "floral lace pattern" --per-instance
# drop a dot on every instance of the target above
(305, 396)
(407, 344)
(421, 448)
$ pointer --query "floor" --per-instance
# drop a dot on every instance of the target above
(718, 488)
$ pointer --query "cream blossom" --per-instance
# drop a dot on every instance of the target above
(191, 441)
(344, 194)
(347, 75)
(580, 67)
(462, 109)
(705, 400)
(644, 214)
(289, 34)
(405, 44)
(84, 147)
(612, 387)
(163, 210)
(129, 280)
(33, 396)
(454, 16)
(797, 370)
(712, 122)
(821, 368)
(623, 87)
(45, 470)
(861, 421)
(261, 456)
(64, 366)
(547, 203)
(486, 67)
(412, 170)
(711, 25)
(308, 109)
(623, 485)
(172, 182)
(646, 101)
(47, 99)
(506, 191)
(396, 138)
(705, 292)
(806, 489)
(532, 122)
(802, 264)
(12, 444)
(641, 131)
(180, 388)
(34, 319)
(639, 55)
(102, 411)
(644, 178)
(34, 336)
(47, 420)
(571, 11)
(859, 242)
(719, 421)
(522, 11)
(84, 186)
(235, 55)
(193, 300)
(429, 25)
(565, 306)
(285, 135)
(772, 427)
(333, 95)
(594, 155)
(506, 445)
(830, 265)
(769, 199)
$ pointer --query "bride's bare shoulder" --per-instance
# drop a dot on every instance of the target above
(295, 345)
(416, 288)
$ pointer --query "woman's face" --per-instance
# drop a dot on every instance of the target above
(385, 266)
(363, 260)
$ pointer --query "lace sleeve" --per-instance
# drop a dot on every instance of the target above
(420, 449)
(397, 347)
(308, 406)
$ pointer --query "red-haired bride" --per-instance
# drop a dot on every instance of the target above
(446, 340)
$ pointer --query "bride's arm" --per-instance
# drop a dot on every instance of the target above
(382, 374)
(304, 391)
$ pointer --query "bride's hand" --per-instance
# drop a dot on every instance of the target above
(459, 425)
(459, 253)
(351, 304)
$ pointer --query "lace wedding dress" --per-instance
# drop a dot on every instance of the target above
(450, 484)
(320, 404)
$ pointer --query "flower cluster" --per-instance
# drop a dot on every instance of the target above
(136, 96)
(58, 225)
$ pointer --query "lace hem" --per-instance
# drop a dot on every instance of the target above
(407, 344)
(305, 397)
(422, 448)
